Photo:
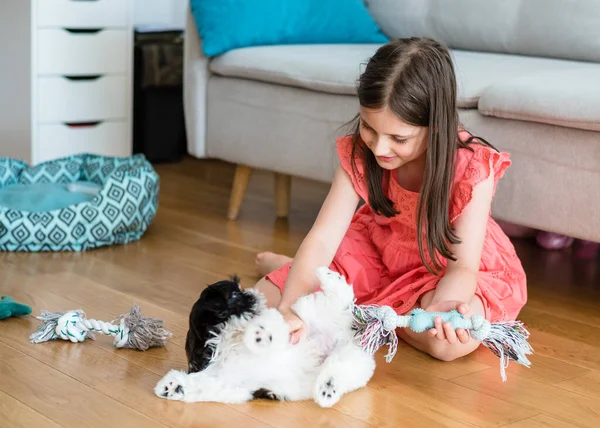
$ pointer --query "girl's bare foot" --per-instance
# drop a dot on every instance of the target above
(267, 262)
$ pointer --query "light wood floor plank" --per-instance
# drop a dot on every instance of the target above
(541, 421)
(381, 408)
(577, 309)
(562, 347)
(587, 384)
(579, 332)
(536, 396)
(174, 414)
(544, 368)
(296, 414)
(14, 414)
(414, 359)
(7, 351)
(446, 397)
(63, 399)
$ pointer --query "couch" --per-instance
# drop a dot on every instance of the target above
(529, 82)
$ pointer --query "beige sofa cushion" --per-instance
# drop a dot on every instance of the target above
(323, 68)
(335, 68)
(569, 98)
(565, 29)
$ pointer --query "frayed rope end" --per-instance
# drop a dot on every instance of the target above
(140, 332)
(508, 341)
(48, 330)
(373, 330)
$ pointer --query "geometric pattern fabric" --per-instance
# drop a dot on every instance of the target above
(120, 213)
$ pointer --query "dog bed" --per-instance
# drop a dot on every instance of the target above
(76, 203)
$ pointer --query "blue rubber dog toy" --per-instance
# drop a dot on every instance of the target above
(376, 326)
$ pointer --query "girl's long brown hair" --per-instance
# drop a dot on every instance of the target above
(415, 79)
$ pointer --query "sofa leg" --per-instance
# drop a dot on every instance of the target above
(283, 190)
(240, 183)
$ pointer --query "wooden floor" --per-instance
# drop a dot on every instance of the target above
(190, 244)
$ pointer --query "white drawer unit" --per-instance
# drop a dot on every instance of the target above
(102, 138)
(82, 51)
(82, 100)
(83, 13)
(67, 83)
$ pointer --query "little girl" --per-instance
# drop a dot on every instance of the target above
(424, 238)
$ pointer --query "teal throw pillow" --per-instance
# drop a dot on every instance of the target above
(229, 24)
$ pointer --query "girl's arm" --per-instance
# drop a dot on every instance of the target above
(457, 288)
(321, 243)
(460, 280)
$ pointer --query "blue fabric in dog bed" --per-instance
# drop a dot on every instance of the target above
(38, 197)
(76, 203)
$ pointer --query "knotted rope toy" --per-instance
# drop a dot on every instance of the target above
(132, 331)
(376, 327)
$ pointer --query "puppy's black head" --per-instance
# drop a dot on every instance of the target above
(217, 304)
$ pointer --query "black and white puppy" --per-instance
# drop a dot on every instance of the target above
(217, 304)
(239, 350)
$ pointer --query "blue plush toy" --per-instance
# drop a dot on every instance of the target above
(10, 308)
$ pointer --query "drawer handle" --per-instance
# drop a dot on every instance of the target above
(85, 78)
(83, 30)
(82, 124)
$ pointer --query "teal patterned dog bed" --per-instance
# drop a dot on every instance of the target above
(122, 205)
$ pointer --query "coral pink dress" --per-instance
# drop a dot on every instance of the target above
(379, 256)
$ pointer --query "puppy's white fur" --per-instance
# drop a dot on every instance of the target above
(255, 354)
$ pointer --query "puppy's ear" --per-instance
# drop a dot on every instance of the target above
(235, 279)
(200, 321)
(198, 354)
(190, 346)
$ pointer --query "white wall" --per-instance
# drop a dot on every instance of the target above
(164, 13)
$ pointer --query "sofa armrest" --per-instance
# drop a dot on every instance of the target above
(195, 79)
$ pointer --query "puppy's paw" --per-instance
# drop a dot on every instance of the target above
(335, 286)
(266, 331)
(326, 275)
(327, 393)
(265, 394)
(171, 386)
(258, 338)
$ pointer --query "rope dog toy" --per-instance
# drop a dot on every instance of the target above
(132, 331)
(376, 327)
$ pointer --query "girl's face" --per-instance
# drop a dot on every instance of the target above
(393, 142)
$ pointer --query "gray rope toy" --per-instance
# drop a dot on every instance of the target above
(132, 331)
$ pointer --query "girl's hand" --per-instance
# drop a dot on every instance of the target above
(445, 331)
(298, 329)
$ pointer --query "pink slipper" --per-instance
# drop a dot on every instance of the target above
(553, 241)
